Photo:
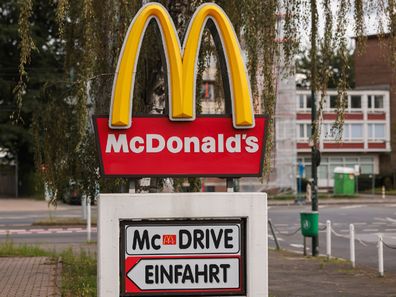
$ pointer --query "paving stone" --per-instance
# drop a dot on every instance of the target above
(28, 276)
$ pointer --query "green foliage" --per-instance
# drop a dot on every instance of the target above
(79, 274)
(89, 37)
(333, 69)
(9, 249)
(33, 42)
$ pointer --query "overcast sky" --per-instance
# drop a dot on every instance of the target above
(371, 21)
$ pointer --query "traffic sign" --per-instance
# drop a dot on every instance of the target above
(179, 257)
(184, 274)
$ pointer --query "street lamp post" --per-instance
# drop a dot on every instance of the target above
(314, 149)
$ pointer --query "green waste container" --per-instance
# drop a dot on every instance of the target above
(344, 181)
(309, 223)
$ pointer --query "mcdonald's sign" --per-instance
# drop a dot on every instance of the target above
(182, 144)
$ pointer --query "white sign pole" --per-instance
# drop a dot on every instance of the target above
(352, 243)
(328, 238)
(88, 219)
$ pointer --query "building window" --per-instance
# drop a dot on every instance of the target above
(309, 130)
(327, 166)
(301, 102)
(210, 189)
(356, 102)
(356, 131)
(301, 131)
(304, 131)
(309, 101)
(333, 102)
(304, 102)
(208, 91)
(376, 131)
(350, 132)
(375, 102)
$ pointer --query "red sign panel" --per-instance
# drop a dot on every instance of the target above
(156, 146)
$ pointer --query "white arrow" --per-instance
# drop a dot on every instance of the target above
(186, 274)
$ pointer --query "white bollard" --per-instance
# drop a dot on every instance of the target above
(380, 255)
(89, 219)
(352, 244)
(328, 238)
(383, 192)
(84, 206)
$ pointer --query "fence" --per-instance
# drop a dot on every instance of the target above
(351, 237)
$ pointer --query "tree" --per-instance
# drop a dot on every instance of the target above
(91, 33)
(45, 66)
(303, 63)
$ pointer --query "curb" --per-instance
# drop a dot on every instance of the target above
(58, 277)
(336, 202)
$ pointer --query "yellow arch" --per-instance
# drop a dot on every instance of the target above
(181, 67)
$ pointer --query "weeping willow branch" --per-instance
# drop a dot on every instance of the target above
(326, 50)
(93, 31)
(61, 12)
(341, 41)
(359, 27)
(26, 46)
(268, 51)
(391, 11)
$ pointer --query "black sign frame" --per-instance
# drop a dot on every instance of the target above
(185, 222)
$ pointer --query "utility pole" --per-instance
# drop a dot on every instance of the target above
(314, 149)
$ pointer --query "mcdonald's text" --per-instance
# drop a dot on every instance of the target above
(156, 146)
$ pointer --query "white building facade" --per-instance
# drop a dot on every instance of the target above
(366, 133)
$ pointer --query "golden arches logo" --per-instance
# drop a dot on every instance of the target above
(181, 66)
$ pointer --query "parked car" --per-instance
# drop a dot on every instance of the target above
(72, 194)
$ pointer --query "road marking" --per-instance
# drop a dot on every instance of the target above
(379, 223)
(353, 206)
(360, 224)
(391, 220)
(390, 230)
(14, 225)
(370, 230)
(44, 231)
(278, 238)
(296, 245)
(380, 219)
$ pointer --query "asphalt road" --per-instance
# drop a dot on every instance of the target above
(369, 221)
(17, 226)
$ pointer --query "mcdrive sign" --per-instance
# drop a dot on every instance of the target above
(183, 257)
(183, 144)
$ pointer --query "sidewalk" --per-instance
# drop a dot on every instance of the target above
(23, 204)
(29, 276)
(361, 199)
(293, 275)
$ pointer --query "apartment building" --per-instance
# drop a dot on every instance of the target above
(365, 137)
